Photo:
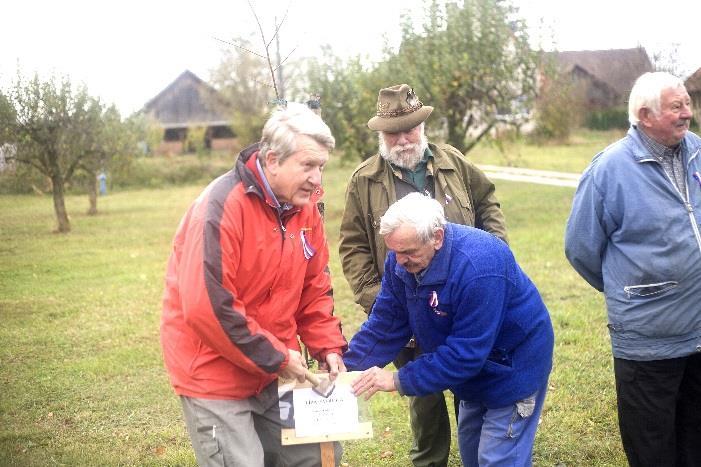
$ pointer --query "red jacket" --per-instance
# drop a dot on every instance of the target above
(239, 289)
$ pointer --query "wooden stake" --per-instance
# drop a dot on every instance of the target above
(327, 454)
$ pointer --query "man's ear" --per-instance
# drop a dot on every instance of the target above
(438, 237)
(644, 116)
(270, 161)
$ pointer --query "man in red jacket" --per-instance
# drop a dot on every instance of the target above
(247, 275)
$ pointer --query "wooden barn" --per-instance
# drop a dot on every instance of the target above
(693, 87)
(607, 76)
(189, 104)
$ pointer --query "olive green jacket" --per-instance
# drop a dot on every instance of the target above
(465, 192)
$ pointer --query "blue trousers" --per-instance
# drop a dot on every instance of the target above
(502, 436)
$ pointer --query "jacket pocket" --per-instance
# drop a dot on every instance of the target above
(458, 207)
(209, 444)
(649, 290)
(497, 369)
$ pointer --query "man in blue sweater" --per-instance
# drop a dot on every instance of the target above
(479, 320)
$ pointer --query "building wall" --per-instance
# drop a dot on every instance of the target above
(225, 144)
(169, 148)
(696, 106)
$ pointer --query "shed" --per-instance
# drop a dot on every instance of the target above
(610, 74)
(187, 104)
(693, 87)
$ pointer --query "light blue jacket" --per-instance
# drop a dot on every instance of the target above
(631, 235)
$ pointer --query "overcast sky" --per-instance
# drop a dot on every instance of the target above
(128, 51)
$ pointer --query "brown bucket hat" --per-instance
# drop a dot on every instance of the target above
(398, 109)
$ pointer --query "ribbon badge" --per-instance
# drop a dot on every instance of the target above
(308, 250)
(433, 303)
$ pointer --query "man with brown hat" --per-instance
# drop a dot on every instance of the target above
(408, 163)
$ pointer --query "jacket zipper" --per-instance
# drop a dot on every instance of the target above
(283, 229)
(687, 204)
(689, 207)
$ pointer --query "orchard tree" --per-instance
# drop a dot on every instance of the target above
(348, 92)
(107, 144)
(54, 128)
(472, 61)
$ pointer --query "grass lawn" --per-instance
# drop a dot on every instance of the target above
(572, 157)
(81, 372)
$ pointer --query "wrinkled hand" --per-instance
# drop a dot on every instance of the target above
(334, 365)
(295, 366)
(372, 380)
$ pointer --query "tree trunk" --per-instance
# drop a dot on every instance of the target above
(92, 194)
(64, 224)
(455, 136)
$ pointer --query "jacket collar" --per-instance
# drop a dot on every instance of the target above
(438, 269)
(691, 145)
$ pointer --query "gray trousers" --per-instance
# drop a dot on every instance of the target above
(244, 433)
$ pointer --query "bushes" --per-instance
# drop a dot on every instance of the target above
(608, 119)
(158, 172)
(20, 179)
(142, 172)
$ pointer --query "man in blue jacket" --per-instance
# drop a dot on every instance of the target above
(483, 329)
(634, 234)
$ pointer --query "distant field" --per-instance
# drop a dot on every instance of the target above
(573, 157)
(82, 378)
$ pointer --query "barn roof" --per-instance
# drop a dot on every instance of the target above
(693, 82)
(618, 68)
(188, 101)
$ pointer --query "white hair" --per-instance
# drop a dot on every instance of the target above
(406, 161)
(423, 213)
(647, 92)
(283, 127)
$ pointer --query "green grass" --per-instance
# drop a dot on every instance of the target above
(571, 157)
(81, 372)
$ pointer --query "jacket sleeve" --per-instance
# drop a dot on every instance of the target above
(482, 305)
(586, 234)
(385, 332)
(354, 249)
(211, 305)
(318, 328)
(488, 214)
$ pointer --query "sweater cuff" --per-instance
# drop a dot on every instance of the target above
(397, 384)
(321, 357)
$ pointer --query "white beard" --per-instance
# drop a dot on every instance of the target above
(406, 156)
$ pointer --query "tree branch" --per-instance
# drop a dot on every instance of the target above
(240, 47)
(30, 162)
(480, 136)
(267, 49)
(278, 26)
(288, 56)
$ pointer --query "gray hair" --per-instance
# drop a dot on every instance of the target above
(283, 127)
(419, 211)
(647, 92)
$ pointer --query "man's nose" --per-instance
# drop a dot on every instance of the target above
(403, 138)
(315, 176)
(686, 111)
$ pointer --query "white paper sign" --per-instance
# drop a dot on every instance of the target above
(316, 415)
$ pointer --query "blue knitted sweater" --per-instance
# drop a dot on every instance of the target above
(488, 338)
